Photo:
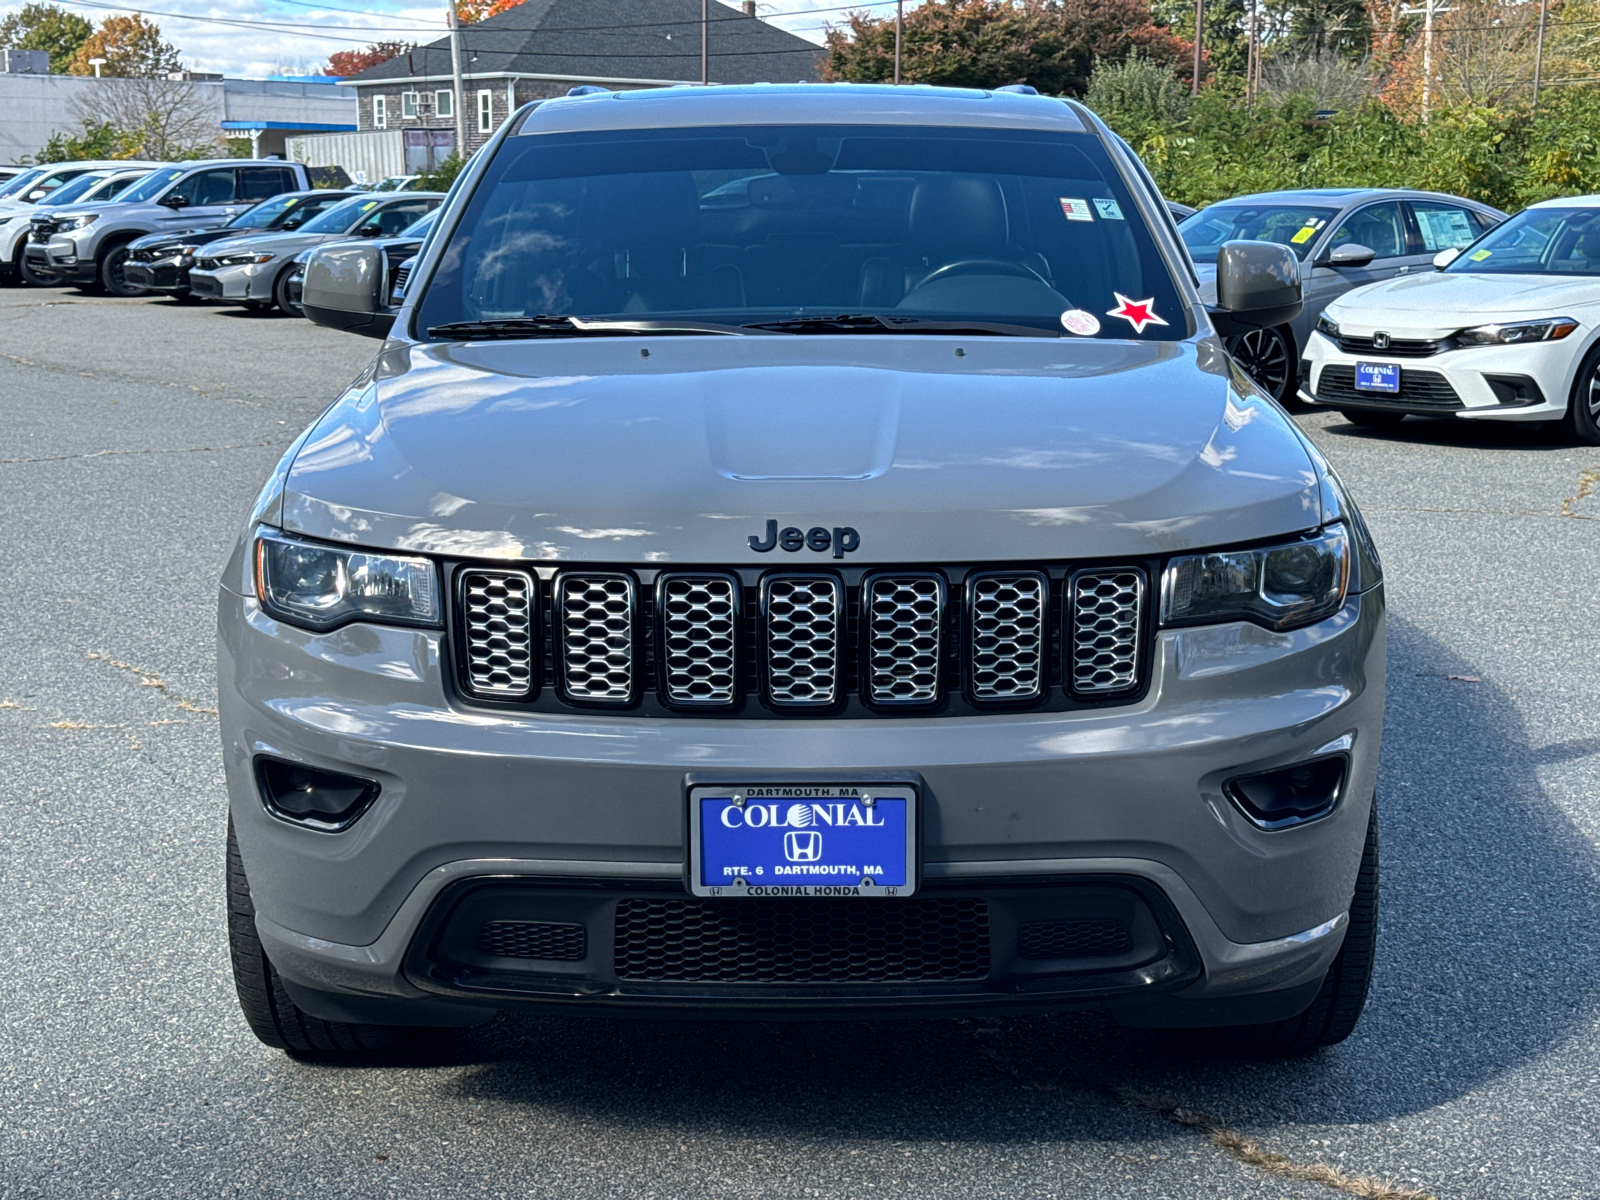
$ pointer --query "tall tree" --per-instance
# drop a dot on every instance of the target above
(132, 48)
(1050, 44)
(470, 12)
(345, 63)
(46, 27)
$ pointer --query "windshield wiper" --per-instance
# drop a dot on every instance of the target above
(559, 326)
(879, 323)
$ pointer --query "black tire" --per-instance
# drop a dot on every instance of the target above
(26, 274)
(1332, 1016)
(1583, 406)
(272, 1015)
(112, 279)
(280, 294)
(1267, 356)
(1371, 418)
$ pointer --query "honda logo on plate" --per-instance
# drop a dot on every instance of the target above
(802, 846)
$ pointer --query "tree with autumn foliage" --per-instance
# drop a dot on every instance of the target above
(132, 48)
(1051, 44)
(345, 63)
(470, 12)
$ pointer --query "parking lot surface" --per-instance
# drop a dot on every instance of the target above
(133, 435)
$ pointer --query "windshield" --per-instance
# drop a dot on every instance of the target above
(12, 187)
(420, 227)
(1292, 225)
(1537, 241)
(68, 192)
(341, 216)
(112, 186)
(740, 225)
(284, 213)
(151, 185)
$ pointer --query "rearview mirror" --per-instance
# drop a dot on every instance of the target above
(1444, 258)
(1258, 286)
(1351, 254)
(343, 290)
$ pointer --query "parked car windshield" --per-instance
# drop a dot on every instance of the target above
(152, 185)
(70, 191)
(1537, 241)
(737, 225)
(341, 216)
(1292, 225)
(420, 227)
(14, 187)
(110, 188)
(284, 213)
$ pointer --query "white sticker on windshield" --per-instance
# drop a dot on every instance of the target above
(1076, 210)
(1084, 324)
(1109, 210)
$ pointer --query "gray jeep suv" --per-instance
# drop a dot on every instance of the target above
(871, 590)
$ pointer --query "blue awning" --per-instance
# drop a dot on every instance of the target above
(311, 126)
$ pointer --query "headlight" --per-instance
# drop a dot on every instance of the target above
(242, 260)
(184, 251)
(81, 221)
(1282, 587)
(321, 586)
(1329, 327)
(1549, 329)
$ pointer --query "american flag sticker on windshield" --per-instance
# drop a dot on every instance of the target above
(1076, 210)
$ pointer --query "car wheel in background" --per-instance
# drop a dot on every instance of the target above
(26, 273)
(112, 278)
(1583, 406)
(1371, 418)
(280, 294)
(1267, 356)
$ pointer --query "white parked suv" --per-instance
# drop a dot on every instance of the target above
(21, 194)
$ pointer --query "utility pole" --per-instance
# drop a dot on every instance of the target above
(705, 44)
(1428, 9)
(1252, 57)
(1538, 55)
(1199, 36)
(455, 76)
(899, 34)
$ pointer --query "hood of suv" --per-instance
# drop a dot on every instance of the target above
(1448, 301)
(585, 449)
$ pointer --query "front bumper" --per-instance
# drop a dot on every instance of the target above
(1508, 383)
(246, 282)
(557, 806)
(161, 275)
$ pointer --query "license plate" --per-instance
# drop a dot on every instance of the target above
(802, 840)
(1378, 377)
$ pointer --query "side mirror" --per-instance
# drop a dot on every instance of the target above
(1258, 286)
(368, 230)
(344, 290)
(1351, 254)
(1444, 258)
(174, 200)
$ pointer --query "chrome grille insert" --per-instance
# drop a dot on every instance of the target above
(699, 626)
(803, 616)
(1106, 615)
(1007, 635)
(498, 621)
(596, 615)
(905, 644)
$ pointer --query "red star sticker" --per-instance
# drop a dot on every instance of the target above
(1137, 313)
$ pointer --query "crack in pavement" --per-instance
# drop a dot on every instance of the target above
(1560, 514)
(169, 450)
(150, 679)
(1587, 481)
(253, 402)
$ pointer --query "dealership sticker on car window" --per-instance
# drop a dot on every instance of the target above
(1076, 210)
(1137, 313)
(1109, 210)
(1303, 235)
(1084, 324)
(1480, 255)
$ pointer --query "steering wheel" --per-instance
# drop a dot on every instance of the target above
(981, 266)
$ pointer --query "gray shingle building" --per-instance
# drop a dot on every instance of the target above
(542, 48)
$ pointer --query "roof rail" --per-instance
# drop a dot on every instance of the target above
(588, 89)
(1021, 89)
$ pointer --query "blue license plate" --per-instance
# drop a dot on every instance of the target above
(1378, 377)
(802, 840)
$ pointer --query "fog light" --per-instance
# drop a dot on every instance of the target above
(1290, 795)
(313, 797)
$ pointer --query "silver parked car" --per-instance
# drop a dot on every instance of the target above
(878, 594)
(1344, 237)
(254, 268)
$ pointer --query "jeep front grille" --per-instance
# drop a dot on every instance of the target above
(1107, 619)
(838, 641)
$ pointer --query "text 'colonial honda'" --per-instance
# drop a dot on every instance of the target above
(802, 551)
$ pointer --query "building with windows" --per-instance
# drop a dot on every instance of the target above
(543, 48)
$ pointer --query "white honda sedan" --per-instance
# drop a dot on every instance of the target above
(1507, 329)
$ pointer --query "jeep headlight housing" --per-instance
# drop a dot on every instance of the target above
(1548, 329)
(1282, 587)
(321, 586)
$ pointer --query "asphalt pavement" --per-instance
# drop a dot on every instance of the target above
(133, 435)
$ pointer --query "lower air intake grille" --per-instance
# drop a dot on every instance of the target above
(803, 627)
(497, 611)
(533, 939)
(1418, 389)
(699, 618)
(813, 940)
(596, 616)
(1093, 937)
(905, 615)
(1107, 615)
(1007, 652)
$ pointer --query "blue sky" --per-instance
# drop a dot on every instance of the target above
(303, 33)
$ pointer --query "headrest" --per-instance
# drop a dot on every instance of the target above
(958, 216)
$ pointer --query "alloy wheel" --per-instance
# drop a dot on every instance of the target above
(1263, 356)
